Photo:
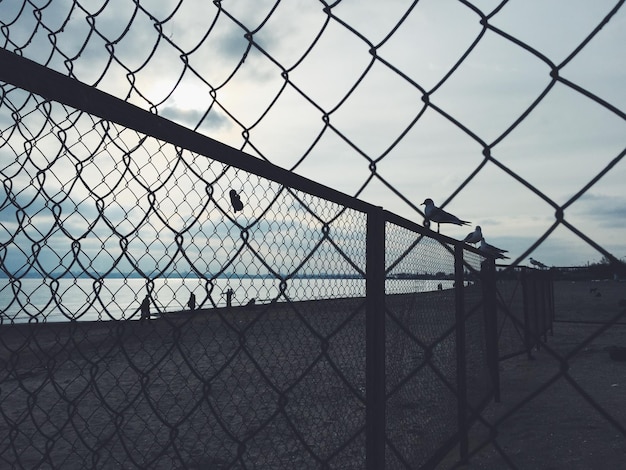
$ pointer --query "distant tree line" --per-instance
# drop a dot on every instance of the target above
(606, 268)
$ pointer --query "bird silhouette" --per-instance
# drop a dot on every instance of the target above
(235, 200)
(435, 214)
(492, 250)
(539, 264)
(475, 236)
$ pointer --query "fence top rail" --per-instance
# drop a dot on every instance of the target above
(415, 227)
(54, 86)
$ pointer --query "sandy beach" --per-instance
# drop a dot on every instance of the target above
(280, 386)
(565, 408)
(283, 387)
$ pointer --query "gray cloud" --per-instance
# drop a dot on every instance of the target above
(607, 211)
(551, 149)
(190, 117)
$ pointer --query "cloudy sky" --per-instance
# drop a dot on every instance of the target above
(421, 92)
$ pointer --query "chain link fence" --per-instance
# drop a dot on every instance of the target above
(105, 206)
(151, 328)
(525, 310)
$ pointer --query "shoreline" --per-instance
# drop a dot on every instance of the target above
(171, 314)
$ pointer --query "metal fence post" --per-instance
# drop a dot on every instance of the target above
(551, 300)
(461, 363)
(526, 308)
(536, 319)
(488, 281)
(375, 384)
(543, 302)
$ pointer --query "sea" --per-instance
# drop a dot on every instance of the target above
(82, 299)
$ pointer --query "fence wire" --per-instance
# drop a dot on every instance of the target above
(86, 201)
(237, 334)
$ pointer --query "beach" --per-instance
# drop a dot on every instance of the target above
(264, 386)
(283, 385)
(564, 408)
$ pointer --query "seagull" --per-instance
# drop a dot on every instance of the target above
(539, 264)
(492, 250)
(475, 236)
(440, 216)
(235, 200)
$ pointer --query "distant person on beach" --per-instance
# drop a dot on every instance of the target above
(191, 303)
(229, 297)
(145, 308)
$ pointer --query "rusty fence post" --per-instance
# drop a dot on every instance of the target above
(375, 385)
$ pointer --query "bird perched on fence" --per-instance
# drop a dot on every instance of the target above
(492, 250)
(539, 264)
(475, 236)
(235, 200)
(435, 214)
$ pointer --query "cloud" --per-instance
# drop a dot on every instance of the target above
(607, 211)
(558, 147)
(190, 117)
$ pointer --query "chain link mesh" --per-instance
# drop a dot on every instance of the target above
(86, 201)
(230, 74)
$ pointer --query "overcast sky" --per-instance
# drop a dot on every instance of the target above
(326, 97)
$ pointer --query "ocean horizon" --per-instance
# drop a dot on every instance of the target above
(84, 299)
